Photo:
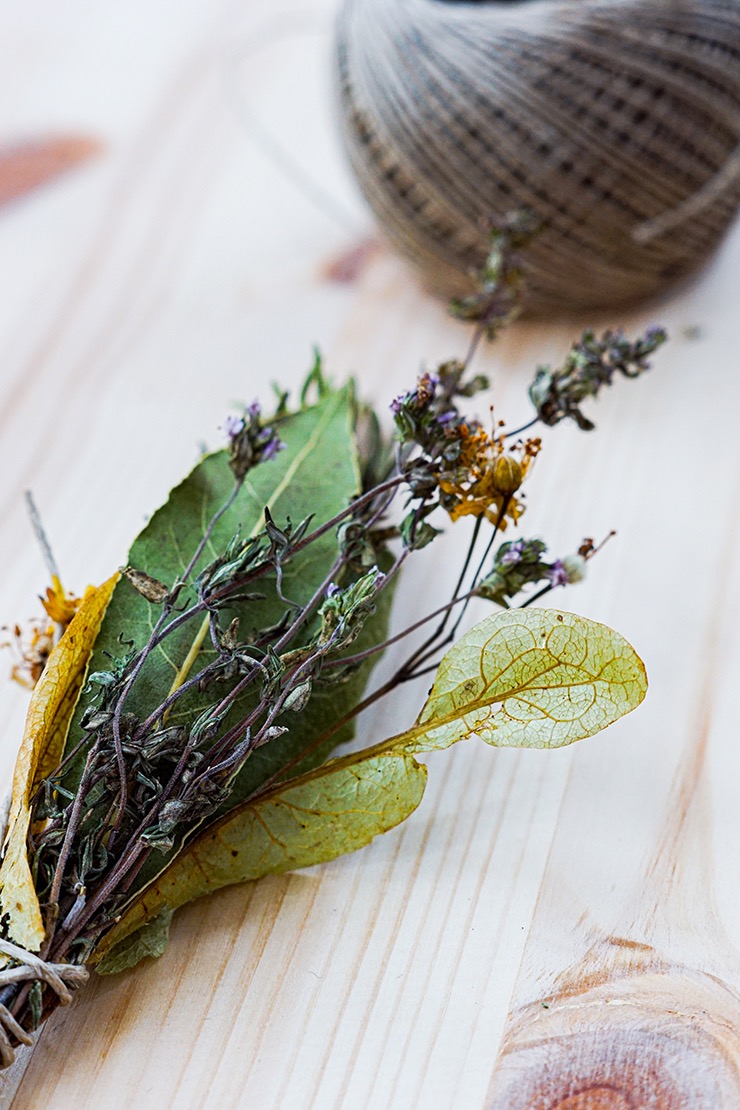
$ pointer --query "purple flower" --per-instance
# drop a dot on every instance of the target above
(271, 448)
(558, 574)
(655, 335)
(232, 425)
(332, 590)
(254, 410)
(513, 555)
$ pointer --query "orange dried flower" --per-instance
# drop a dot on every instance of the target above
(486, 475)
(59, 606)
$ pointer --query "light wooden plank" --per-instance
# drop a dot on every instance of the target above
(546, 920)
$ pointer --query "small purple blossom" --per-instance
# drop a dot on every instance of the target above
(250, 443)
(232, 425)
(398, 402)
(558, 574)
(271, 448)
(655, 335)
(514, 554)
(332, 590)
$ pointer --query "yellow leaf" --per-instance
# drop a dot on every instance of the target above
(530, 678)
(47, 723)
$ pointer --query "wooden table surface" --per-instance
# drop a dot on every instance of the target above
(549, 929)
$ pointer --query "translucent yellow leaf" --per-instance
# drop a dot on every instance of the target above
(49, 714)
(530, 678)
(321, 815)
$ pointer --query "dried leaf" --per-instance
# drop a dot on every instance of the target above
(49, 714)
(317, 470)
(324, 814)
(150, 940)
(530, 678)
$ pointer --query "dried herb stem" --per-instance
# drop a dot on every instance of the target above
(72, 826)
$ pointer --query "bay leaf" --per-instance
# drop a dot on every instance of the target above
(317, 473)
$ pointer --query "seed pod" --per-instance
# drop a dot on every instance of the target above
(507, 475)
(150, 588)
(575, 568)
(297, 699)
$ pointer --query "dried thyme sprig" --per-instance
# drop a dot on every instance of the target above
(501, 280)
(591, 364)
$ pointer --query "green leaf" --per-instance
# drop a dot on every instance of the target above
(335, 809)
(150, 940)
(318, 473)
(319, 446)
(530, 678)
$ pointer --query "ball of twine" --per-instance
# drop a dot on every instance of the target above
(616, 122)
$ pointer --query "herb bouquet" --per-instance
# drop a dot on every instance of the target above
(180, 734)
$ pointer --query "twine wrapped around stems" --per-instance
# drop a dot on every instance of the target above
(27, 967)
(617, 122)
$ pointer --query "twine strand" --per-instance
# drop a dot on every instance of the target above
(30, 967)
(694, 205)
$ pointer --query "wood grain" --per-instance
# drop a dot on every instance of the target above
(549, 929)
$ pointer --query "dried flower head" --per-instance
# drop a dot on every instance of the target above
(485, 475)
(59, 605)
(589, 366)
(31, 646)
(250, 441)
